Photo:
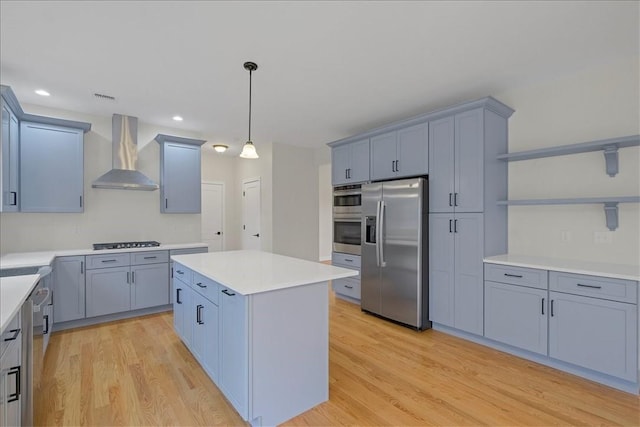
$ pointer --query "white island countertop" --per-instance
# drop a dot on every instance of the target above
(14, 291)
(615, 271)
(41, 258)
(252, 272)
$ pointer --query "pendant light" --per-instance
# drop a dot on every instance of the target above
(249, 150)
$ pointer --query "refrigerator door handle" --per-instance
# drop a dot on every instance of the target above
(381, 234)
(378, 233)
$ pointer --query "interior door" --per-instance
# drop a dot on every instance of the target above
(212, 211)
(251, 215)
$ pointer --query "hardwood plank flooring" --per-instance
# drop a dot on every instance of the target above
(138, 372)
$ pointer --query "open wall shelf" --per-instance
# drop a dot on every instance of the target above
(609, 148)
(610, 205)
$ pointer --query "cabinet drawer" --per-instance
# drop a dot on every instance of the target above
(348, 287)
(108, 260)
(182, 273)
(11, 333)
(206, 287)
(187, 251)
(149, 257)
(346, 260)
(531, 277)
(594, 286)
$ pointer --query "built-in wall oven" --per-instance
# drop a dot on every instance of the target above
(347, 217)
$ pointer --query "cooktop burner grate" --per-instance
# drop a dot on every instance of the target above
(125, 245)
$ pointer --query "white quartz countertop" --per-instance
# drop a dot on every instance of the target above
(252, 272)
(616, 271)
(14, 291)
(37, 259)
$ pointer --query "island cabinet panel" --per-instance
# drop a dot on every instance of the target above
(594, 333)
(69, 288)
(179, 306)
(205, 333)
(516, 315)
(51, 168)
(234, 349)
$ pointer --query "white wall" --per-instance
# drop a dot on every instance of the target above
(110, 215)
(295, 202)
(325, 202)
(592, 104)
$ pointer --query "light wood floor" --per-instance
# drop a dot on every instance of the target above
(137, 372)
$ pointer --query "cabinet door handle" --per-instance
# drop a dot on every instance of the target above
(397, 165)
(346, 174)
(166, 203)
(15, 334)
(14, 197)
(199, 314)
(393, 165)
(455, 225)
(551, 308)
(80, 201)
(201, 285)
(450, 226)
(519, 276)
(542, 305)
(172, 272)
(133, 277)
(178, 296)
(455, 199)
(450, 199)
(127, 277)
(15, 396)
(81, 267)
(226, 292)
(588, 286)
(46, 324)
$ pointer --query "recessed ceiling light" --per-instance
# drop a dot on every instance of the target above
(42, 92)
(177, 118)
(220, 148)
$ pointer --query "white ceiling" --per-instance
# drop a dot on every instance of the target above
(327, 70)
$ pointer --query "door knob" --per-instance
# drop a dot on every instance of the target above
(218, 233)
(256, 235)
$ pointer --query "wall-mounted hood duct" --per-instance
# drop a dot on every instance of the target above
(123, 175)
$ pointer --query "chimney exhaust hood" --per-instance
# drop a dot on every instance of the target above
(123, 175)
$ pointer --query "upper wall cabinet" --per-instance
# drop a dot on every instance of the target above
(9, 144)
(350, 163)
(400, 153)
(180, 178)
(51, 168)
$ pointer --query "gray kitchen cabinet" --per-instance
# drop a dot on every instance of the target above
(456, 163)
(205, 333)
(149, 285)
(516, 315)
(456, 271)
(11, 370)
(51, 168)
(184, 251)
(9, 144)
(400, 153)
(179, 305)
(349, 288)
(350, 163)
(108, 291)
(69, 288)
(234, 349)
(180, 174)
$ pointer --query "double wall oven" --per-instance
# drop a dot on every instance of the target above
(347, 217)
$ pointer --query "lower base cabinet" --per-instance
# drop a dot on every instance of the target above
(10, 372)
(108, 291)
(234, 349)
(593, 333)
(205, 333)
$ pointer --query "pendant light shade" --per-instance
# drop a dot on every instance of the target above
(249, 150)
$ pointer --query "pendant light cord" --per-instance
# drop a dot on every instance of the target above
(250, 72)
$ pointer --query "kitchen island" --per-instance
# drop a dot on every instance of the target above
(258, 323)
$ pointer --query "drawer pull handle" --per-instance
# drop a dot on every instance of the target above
(226, 292)
(179, 271)
(109, 260)
(519, 276)
(588, 286)
(15, 334)
(150, 257)
(348, 260)
(14, 396)
(201, 285)
(348, 287)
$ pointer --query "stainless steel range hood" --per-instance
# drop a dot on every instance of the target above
(123, 175)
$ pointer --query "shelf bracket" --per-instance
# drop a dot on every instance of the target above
(611, 215)
(611, 159)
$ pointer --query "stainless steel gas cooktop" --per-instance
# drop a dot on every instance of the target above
(125, 245)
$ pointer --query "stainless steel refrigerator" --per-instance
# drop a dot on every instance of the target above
(395, 277)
